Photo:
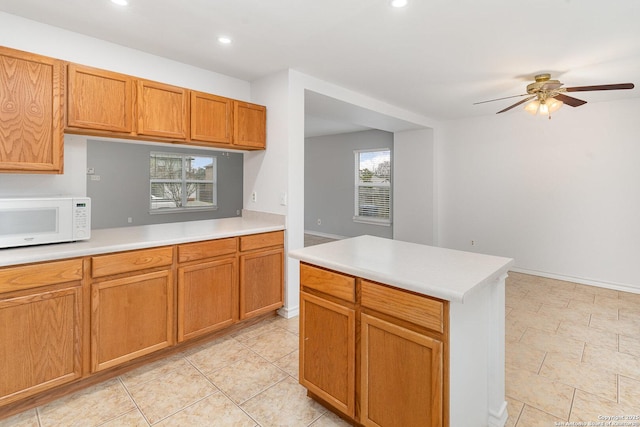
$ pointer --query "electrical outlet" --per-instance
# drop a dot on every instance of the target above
(130, 220)
(473, 243)
(254, 197)
(319, 221)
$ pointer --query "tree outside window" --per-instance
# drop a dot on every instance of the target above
(180, 182)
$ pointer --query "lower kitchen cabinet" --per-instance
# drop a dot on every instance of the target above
(327, 351)
(40, 328)
(402, 376)
(132, 305)
(207, 297)
(261, 273)
(130, 317)
(62, 322)
(372, 352)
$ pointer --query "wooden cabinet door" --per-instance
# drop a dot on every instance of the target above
(31, 119)
(249, 125)
(327, 351)
(130, 317)
(211, 118)
(261, 282)
(99, 99)
(207, 297)
(162, 110)
(401, 374)
(40, 342)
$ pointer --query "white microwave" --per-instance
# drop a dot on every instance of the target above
(28, 221)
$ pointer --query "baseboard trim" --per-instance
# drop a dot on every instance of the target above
(607, 285)
(327, 235)
(288, 313)
(499, 418)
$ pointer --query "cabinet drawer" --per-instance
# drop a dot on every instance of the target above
(413, 308)
(336, 284)
(125, 262)
(32, 276)
(208, 249)
(264, 240)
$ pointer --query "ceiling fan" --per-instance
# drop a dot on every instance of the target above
(548, 95)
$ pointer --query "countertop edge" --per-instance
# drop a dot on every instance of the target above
(410, 285)
(58, 251)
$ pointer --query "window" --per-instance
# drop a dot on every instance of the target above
(373, 186)
(182, 182)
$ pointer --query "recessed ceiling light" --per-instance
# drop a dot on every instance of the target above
(224, 40)
(399, 3)
(120, 2)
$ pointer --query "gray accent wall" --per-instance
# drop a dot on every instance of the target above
(122, 190)
(329, 183)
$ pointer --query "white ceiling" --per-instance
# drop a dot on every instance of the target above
(434, 57)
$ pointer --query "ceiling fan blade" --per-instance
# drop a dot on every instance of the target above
(516, 104)
(601, 87)
(570, 100)
(499, 99)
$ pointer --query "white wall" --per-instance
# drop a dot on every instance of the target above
(414, 186)
(330, 185)
(560, 196)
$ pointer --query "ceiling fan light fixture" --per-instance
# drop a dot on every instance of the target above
(532, 107)
(543, 107)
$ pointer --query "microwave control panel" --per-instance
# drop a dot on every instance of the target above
(81, 218)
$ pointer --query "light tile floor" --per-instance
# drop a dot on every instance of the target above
(572, 354)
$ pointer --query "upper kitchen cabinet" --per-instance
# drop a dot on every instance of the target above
(99, 99)
(249, 125)
(31, 119)
(211, 118)
(162, 110)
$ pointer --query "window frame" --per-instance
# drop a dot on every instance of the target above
(372, 219)
(183, 181)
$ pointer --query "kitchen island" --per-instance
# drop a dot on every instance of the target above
(396, 333)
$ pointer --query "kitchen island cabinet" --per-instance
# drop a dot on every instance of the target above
(429, 332)
(328, 337)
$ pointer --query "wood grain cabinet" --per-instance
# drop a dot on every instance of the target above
(132, 305)
(31, 114)
(211, 118)
(40, 328)
(399, 360)
(261, 273)
(249, 125)
(162, 110)
(99, 99)
(207, 287)
(328, 337)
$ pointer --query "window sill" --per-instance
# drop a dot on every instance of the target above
(181, 210)
(372, 221)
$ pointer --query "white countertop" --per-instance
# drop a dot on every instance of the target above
(127, 238)
(442, 273)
